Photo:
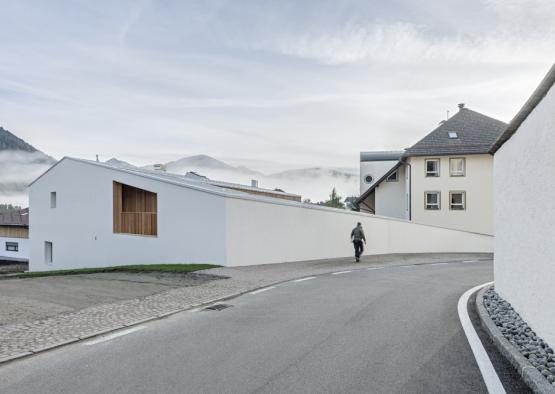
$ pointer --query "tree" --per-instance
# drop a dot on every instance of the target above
(9, 207)
(334, 200)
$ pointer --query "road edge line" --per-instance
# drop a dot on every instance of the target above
(490, 377)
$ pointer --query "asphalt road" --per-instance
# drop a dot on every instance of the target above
(391, 330)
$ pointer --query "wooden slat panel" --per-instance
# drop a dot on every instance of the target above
(135, 210)
(14, 232)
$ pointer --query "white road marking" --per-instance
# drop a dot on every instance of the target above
(489, 375)
(261, 290)
(438, 264)
(303, 279)
(375, 268)
(194, 310)
(470, 261)
(341, 272)
(406, 266)
(113, 336)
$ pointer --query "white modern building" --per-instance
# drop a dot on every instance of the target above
(14, 235)
(524, 190)
(92, 214)
(445, 179)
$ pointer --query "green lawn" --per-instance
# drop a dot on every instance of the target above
(123, 268)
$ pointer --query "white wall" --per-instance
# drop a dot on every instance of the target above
(375, 168)
(261, 233)
(21, 254)
(477, 183)
(190, 222)
(525, 219)
(391, 197)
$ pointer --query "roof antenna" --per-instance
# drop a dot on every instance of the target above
(97, 158)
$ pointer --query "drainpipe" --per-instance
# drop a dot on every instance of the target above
(410, 190)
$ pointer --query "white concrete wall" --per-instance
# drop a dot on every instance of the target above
(525, 219)
(391, 197)
(478, 184)
(190, 223)
(261, 233)
(21, 254)
(375, 168)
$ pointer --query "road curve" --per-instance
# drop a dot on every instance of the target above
(391, 330)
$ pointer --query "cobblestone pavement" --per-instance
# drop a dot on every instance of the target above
(17, 340)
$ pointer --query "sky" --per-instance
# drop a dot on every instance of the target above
(268, 84)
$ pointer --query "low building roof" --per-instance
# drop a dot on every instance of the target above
(545, 85)
(466, 132)
(381, 155)
(18, 218)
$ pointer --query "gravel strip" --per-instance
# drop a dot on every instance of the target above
(520, 334)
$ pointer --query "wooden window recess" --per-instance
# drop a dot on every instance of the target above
(135, 210)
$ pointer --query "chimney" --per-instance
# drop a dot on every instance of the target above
(254, 183)
(97, 158)
(461, 106)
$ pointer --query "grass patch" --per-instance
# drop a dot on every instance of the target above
(123, 268)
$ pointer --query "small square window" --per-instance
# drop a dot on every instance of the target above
(12, 247)
(432, 200)
(457, 166)
(453, 135)
(52, 199)
(432, 167)
(48, 252)
(393, 177)
(457, 201)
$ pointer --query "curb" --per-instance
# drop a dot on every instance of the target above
(34, 351)
(530, 375)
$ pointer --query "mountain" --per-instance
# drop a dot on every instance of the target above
(20, 163)
(317, 172)
(119, 163)
(314, 183)
(202, 163)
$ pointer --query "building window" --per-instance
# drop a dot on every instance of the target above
(432, 167)
(135, 210)
(52, 199)
(12, 247)
(48, 252)
(432, 200)
(457, 166)
(368, 179)
(393, 177)
(457, 201)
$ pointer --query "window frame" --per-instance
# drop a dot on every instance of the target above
(396, 173)
(12, 245)
(463, 203)
(464, 167)
(429, 174)
(48, 252)
(438, 200)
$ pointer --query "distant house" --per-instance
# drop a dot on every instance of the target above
(253, 188)
(93, 214)
(445, 179)
(524, 188)
(14, 235)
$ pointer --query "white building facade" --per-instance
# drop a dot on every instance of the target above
(90, 214)
(524, 212)
(445, 179)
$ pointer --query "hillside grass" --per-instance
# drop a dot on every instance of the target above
(122, 268)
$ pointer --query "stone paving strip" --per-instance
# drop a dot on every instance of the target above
(22, 339)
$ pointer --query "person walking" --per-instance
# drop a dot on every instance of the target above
(357, 236)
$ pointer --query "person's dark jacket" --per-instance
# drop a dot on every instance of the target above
(358, 234)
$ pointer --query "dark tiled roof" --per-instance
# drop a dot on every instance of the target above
(476, 134)
(15, 218)
(528, 107)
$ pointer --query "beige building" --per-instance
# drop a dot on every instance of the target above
(445, 179)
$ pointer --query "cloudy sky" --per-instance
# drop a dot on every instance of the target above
(299, 83)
